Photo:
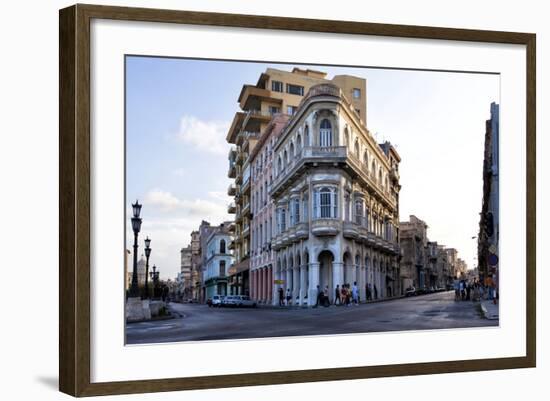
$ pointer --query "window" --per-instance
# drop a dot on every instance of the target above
(356, 93)
(292, 154)
(358, 112)
(305, 207)
(325, 205)
(279, 165)
(281, 219)
(356, 149)
(276, 86)
(298, 143)
(306, 136)
(222, 246)
(274, 110)
(325, 134)
(222, 268)
(294, 211)
(290, 110)
(366, 159)
(358, 211)
(295, 89)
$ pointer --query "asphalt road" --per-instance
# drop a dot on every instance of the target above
(199, 322)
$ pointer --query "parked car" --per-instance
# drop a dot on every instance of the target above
(238, 300)
(216, 300)
(410, 291)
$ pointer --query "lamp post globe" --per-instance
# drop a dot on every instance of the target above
(147, 254)
(136, 227)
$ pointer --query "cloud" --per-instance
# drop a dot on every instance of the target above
(166, 202)
(208, 136)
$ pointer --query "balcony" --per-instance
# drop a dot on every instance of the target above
(252, 96)
(231, 190)
(302, 231)
(232, 172)
(255, 118)
(350, 230)
(231, 208)
(325, 227)
(246, 209)
(394, 174)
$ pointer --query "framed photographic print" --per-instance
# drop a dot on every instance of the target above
(298, 200)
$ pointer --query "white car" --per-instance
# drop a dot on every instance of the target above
(238, 300)
(216, 300)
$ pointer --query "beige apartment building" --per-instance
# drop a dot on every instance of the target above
(276, 92)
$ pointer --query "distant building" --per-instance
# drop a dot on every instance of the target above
(413, 239)
(184, 278)
(218, 260)
(489, 223)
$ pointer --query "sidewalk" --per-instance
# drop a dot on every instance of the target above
(270, 306)
(490, 310)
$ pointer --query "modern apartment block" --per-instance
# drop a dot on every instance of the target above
(276, 92)
(336, 193)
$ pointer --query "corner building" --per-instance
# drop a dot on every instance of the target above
(335, 192)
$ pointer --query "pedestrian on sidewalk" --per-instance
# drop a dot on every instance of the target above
(337, 295)
(355, 294)
(319, 295)
(369, 292)
(288, 297)
(281, 296)
(375, 292)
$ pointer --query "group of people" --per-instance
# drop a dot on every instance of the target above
(345, 295)
(476, 290)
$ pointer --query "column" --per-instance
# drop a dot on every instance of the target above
(269, 283)
(361, 283)
(337, 278)
(288, 283)
(313, 283)
(303, 280)
(295, 284)
(262, 284)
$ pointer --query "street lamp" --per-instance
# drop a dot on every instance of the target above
(136, 226)
(147, 254)
(154, 276)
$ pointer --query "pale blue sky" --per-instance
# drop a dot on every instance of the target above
(178, 112)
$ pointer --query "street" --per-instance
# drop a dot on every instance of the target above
(199, 322)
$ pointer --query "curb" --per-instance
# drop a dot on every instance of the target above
(488, 315)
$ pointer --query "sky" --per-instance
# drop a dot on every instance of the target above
(178, 112)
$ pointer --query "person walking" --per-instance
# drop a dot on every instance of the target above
(288, 297)
(337, 295)
(355, 294)
(319, 297)
(281, 296)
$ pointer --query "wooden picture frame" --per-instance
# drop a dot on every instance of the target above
(75, 207)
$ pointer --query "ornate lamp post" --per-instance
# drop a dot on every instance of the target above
(136, 226)
(154, 276)
(147, 254)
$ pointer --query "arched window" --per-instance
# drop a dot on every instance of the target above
(366, 158)
(305, 207)
(298, 143)
(356, 149)
(281, 219)
(292, 154)
(380, 176)
(279, 165)
(222, 268)
(306, 136)
(373, 169)
(325, 133)
(222, 246)
(285, 157)
(326, 203)
(294, 211)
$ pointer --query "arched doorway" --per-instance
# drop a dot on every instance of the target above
(326, 258)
